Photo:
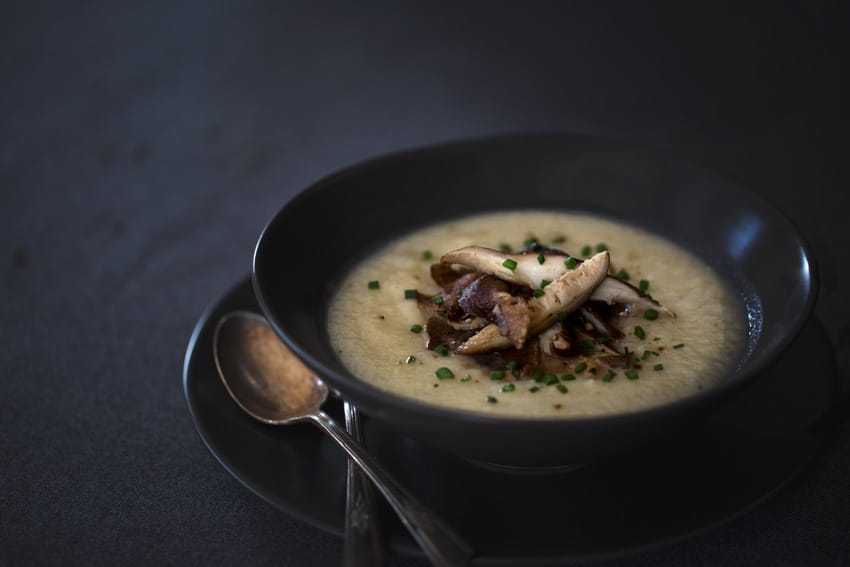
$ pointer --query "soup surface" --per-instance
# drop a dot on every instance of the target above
(370, 322)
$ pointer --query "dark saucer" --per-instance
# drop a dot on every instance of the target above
(700, 478)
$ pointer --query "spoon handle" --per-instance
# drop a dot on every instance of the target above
(362, 532)
(441, 544)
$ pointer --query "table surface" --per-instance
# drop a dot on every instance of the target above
(143, 146)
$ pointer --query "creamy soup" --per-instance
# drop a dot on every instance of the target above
(373, 327)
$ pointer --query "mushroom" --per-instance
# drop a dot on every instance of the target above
(530, 272)
(565, 294)
(488, 297)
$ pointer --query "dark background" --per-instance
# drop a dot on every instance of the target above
(144, 145)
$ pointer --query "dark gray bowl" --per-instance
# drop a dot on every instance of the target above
(307, 247)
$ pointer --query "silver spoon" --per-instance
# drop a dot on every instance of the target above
(269, 382)
(362, 530)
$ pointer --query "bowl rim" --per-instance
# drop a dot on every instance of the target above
(374, 395)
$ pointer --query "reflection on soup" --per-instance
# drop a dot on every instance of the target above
(536, 314)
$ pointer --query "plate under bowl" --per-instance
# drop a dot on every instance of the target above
(303, 251)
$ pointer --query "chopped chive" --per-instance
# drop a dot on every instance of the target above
(497, 375)
(534, 389)
(559, 240)
(639, 332)
(602, 340)
(505, 247)
(622, 275)
(635, 361)
(643, 285)
(647, 354)
(562, 316)
(442, 350)
(410, 359)
(509, 387)
(610, 375)
(492, 400)
(544, 283)
(650, 314)
(466, 378)
(416, 329)
(438, 299)
(537, 374)
(531, 241)
(586, 250)
(561, 388)
(509, 264)
(680, 345)
(411, 294)
(541, 259)
(580, 367)
(567, 377)
(444, 373)
(550, 379)
(427, 255)
(539, 292)
(658, 367)
(632, 374)
(512, 365)
(601, 247)
(374, 284)
(571, 263)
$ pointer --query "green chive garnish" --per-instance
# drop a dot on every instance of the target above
(492, 400)
(534, 389)
(544, 283)
(374, 284)
(643, 285)
(426, 255)
(650, 314)
(411, 294)
(541, 259)
(497, 375)
(505, 248)
(639, 332)
(647, 354)
(580, 367)
(658, 367)
(622, 275)
(610, 375)
(466, 378)
(442, 350)
(539, 292)
(601, 247)
(586, 250)
(444, 373)
(571, 263)
(632, 374)
(531, 241)
(509, 264)
(550, 379)
(509, 387)
(562, 388)
(512, 365)
(568, 377)
(562, 316)
(438, 299)
(680, 345)
(537, 375)
(416, 329)
(410, 359)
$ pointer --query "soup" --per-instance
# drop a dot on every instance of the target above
(679, 334)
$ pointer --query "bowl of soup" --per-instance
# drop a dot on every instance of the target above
(534, 300)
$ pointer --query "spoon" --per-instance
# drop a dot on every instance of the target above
(269, 382)
(362, 532)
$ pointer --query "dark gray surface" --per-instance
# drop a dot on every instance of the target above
(143, 147)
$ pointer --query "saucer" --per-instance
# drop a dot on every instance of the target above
(700, 478)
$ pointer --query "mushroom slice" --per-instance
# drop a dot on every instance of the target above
(614, 290)
(528, 271)
(565, 294)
